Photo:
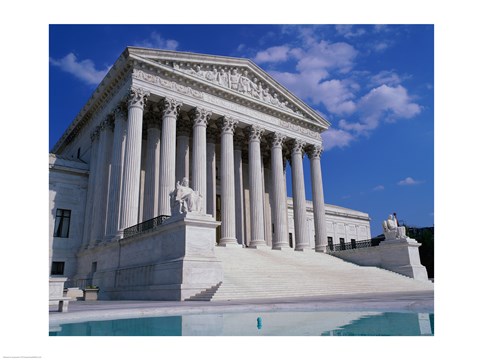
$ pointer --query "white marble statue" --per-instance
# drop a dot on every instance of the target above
(185, 199)
(391, 230)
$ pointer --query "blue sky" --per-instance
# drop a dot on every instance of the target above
(374, 84)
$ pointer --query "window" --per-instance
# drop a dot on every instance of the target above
(57, 267)
(330, 242)
(62, 223)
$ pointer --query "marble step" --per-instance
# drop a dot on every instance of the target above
(265, 273)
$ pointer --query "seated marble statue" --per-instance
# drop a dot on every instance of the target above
(186, 199)
(391, 230)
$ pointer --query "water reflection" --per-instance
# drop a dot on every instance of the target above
(260, 324)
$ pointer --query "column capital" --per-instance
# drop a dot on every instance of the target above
(199, 116)
(227, 124)
(276, 140)
(297, 146)
(170, 106)
(137, 97)
(314, 151)
(254, 133)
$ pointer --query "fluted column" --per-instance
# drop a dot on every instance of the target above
(211, 171)
(152, 171)
(101, 181)
(133, 156)
(279, 194)
(227, 182)
(170, 108)
(257, 221)
(116, 171)
(299, 201)
(184, 130)
(314, 153)
(238, 142)
(200, 119)
(91, 189)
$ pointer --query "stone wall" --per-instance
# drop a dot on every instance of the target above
(399, 255)
(172, 262)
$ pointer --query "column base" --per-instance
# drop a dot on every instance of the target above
(304, 249)
(255, 244)
(229, 242)
(282, 247)
(321, 249)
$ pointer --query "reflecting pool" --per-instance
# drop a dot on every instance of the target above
(260, 324)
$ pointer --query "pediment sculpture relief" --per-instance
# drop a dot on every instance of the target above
(237, 79)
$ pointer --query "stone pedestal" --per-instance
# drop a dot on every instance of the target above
(174, 261)
(56, 288)
(401, 256)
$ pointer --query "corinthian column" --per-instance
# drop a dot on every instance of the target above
(227, 182)
(101, 181)
(133, 156)
(152, 173)
(184, 130)
(200, 119)
(115, 186)
(211, 171)
(170, 108)
(238, 173)
(91, 189)
(299, 202)
(257, 222)
(279, 194)
(314, 153)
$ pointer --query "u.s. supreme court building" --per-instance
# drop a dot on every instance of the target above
(219, 127)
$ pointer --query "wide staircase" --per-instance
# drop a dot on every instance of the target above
(268, 274)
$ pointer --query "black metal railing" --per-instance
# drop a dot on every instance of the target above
(144, 226)
(354, 244)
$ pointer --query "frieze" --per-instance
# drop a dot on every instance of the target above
(157, 80)
(297, 128)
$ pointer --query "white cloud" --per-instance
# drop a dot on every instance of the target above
(379, 188)
(83, 70)
(316, 64)
(383, 103)
(380, 46)
(408, 181)
(336, 96)
(336, 138)
(389, 78)
(273, 54)
(349, 32)
(332, 56)
(156, 41)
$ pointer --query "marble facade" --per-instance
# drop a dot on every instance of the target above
(222, 123)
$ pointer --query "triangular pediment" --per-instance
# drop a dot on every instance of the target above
(238, 75)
